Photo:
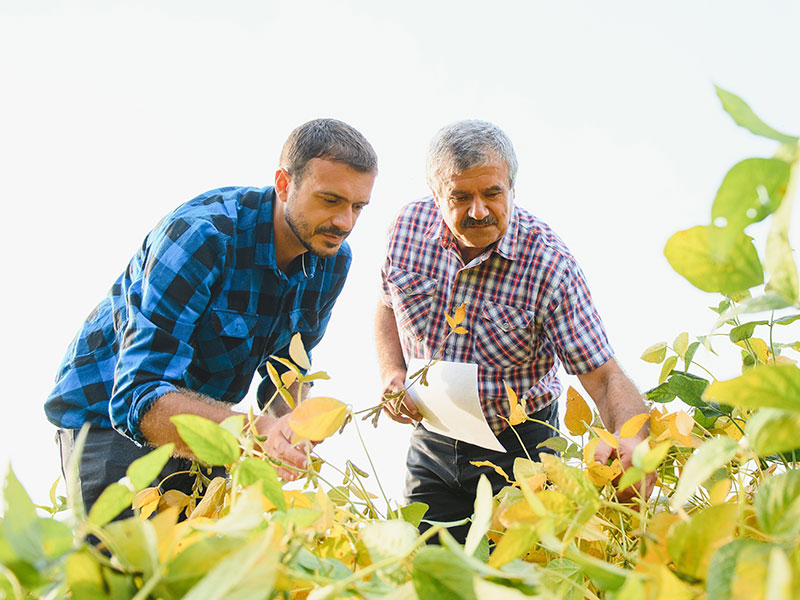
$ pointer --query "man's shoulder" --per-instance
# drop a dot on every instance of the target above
(220, 211)
(537, 236)
(418, 211)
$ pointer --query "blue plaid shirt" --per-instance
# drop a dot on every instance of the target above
(201, 306)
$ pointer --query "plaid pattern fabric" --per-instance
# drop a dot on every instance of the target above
(201, 306)
(527, 306)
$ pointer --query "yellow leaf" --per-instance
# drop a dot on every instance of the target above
(516, 412)
(487, 463)
(666, 368)
(684, 423)
(657, 425)
(680, 344)
(288, 378)
(633, 425)
(460, 313)
(147, 502)
(459, 330)
(655, 353)
(758, 346)
(317, 418)
(588, 451)
(298, 352)
(719, 491)
(578, 413)
(213, 499)
(607, 437)
(602, 474)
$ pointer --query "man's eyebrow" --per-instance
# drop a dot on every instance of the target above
(338, 197)
(494, 188)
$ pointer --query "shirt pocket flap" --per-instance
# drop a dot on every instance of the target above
(506, 317)
(230, 323)
(410, 283)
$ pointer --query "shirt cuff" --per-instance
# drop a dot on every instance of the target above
(142, 402)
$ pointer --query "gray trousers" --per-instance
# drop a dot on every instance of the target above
(105, 459)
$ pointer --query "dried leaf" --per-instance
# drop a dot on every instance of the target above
(578, 413)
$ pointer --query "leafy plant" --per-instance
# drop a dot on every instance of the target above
(723, 522)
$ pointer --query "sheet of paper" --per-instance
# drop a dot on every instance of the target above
(450, 404)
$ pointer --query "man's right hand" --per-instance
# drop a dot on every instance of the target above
(279, 445)
(402, 408)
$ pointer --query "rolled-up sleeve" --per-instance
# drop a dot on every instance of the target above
(182, 263)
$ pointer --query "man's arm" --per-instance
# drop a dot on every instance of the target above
(392, 365)
(158, 429)
(617, 400)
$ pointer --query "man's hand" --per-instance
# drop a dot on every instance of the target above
(625, 454)
(401, 409)
(279, 446)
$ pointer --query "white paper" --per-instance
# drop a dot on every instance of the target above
(450, 404)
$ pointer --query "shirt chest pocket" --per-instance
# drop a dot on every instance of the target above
(412, 300)
(504, 335)
(225, 341)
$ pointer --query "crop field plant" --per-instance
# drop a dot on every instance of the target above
(723, 521)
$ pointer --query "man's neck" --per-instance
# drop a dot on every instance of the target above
(287, 246)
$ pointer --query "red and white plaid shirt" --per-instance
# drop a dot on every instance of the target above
(527, 306)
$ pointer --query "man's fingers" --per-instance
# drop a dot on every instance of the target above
(410, 409)
(602, 453)
(394, 416)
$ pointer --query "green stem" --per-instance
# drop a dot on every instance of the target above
(372, 466)
(151, 583)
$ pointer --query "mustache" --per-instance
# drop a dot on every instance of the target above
(333, 231)
(470, 222)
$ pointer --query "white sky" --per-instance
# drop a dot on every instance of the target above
(112, 113)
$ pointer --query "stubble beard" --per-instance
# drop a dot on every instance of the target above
(302, 231)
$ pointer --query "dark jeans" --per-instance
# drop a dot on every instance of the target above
(440, 474)
(106, 457)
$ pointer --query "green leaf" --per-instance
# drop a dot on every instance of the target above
(777, 505)
(246, 574)
(517, 540)
(680, 344)
(192, 564)
(134, 543)
(691, 544)
(689, 252)
(207, 440)
(630, 476)
(690, 352)
(555, 443)
(744, 116)
(573, 482)
(438, 574)
(771, 431)
(752, 190)
(482, 517)
(779, 262)
(722, 569)
(21, 523)
(755, 305)
(776, 386)
(688, 388)
(143, 471)
(388, 539)
(788, 319)
(564, 579)
(114, 499)
(57, 537)
(662, 394)
(414, 512)
(744, 331)
(709, 457)
(85, 577)
(252, 470)
(778, 585)
(603, 575)
(234, 424)
(666, 368)
(655, 353)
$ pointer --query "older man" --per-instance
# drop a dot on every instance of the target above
(218, 286)
(528, 310)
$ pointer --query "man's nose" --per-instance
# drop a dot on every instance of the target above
(478, 209)
(345, 219)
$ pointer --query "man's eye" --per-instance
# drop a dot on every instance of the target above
(358, 207)
(331, 201)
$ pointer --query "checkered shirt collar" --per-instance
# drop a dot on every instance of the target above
(505, 247)
(265, 246)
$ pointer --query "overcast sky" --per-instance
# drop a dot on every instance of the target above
(113, 113)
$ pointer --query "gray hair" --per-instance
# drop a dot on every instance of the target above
(464, 144)
(329, 139)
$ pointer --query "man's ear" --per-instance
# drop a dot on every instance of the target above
(282, 179)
